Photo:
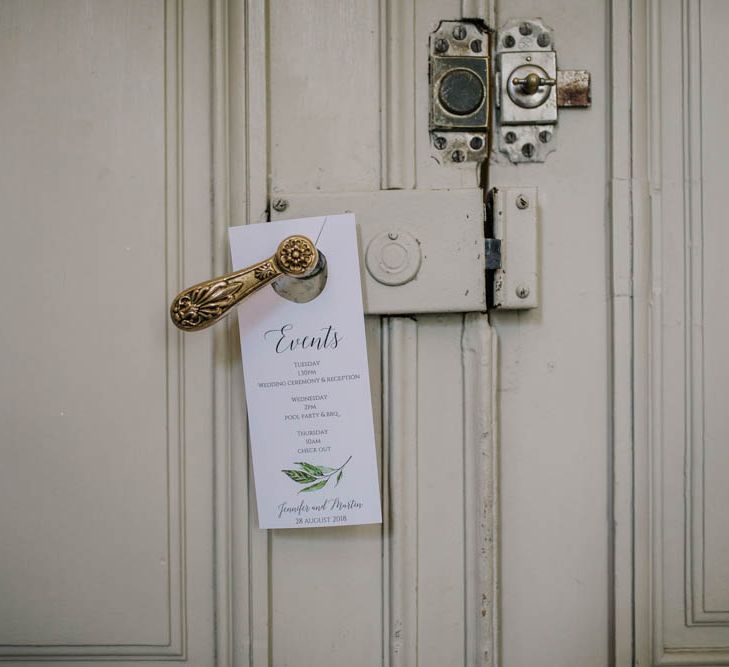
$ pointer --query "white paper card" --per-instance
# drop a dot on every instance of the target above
(307, 385)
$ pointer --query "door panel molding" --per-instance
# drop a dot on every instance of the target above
(417, 456)
(398, 94)
(681, 562)
(400, 530)
(239, 196)
(625, 196)
(110, 81)
(479, 9)
(481, 490)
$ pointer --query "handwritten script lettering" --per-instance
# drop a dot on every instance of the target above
(327, 338)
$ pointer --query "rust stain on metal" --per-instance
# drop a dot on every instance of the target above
(573, 88)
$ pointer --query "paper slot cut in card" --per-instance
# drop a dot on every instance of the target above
(307, 385)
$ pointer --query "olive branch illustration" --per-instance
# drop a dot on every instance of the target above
(319, 475)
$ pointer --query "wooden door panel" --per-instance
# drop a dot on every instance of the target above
(682, 548)
(348, 111)
(554, 378)
(106, 548)
(127, 492)
(324, 83)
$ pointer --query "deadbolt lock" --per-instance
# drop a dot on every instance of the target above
(459, 85)
(528, 89)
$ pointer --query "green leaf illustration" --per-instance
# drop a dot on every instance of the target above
(317, 471)
(319, 475)
(315, 487)
(299, 476)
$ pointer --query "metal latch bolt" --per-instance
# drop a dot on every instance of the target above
(530, 89)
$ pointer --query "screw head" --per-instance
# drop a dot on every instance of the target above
(522, 291)
(441, 45)
(510, 137)
(458, 156)
(459, 32)
(279, 205)
(545, 136)
(476, 143)
(522, 202)
(393, 236)
(527, 150)
(544, 39)
(509, 41)
(525, 28)
(440, 142)
(476, 46)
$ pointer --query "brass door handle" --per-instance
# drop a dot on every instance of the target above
(201, 305)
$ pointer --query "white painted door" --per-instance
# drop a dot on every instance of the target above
(680, 536)
(106, 473)
(558, 503)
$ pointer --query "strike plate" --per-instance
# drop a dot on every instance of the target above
(513, 221)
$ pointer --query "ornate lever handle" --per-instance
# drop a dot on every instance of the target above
(201, 305)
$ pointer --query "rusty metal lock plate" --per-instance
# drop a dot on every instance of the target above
(460, 92)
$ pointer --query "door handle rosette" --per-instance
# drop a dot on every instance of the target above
(296, 259)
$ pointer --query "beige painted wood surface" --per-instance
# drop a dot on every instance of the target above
(132, 134)
(424, 583)
(125, 475)
(106, 475)
(554, 379)
(682, 366)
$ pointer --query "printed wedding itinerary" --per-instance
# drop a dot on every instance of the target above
(307, 385)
